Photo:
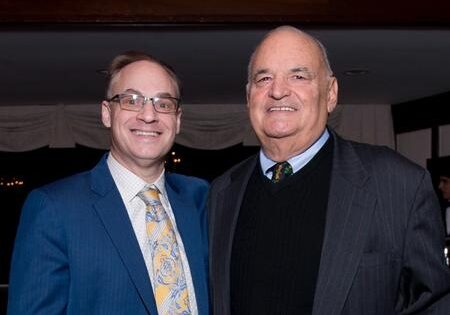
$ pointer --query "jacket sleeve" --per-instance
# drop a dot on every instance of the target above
(425, 279)
(39, 278)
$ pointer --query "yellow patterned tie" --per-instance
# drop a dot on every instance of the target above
(169, 282)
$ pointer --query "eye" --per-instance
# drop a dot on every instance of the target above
(127, 100)
(165, 104)
(299, 77)
(302, 76)
(131, 100)
(262, 80)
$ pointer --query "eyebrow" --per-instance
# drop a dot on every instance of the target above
(300, 69)
(137, 92)
(259, 72)
(133, 91)
(164, 94)
(293, 70)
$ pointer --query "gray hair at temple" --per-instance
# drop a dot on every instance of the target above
(128, 57)
(321, 47)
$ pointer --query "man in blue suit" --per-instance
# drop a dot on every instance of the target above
(86, 244)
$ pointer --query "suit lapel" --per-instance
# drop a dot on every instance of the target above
(114, 217)
(192, 229)
(228, 203)
(350, 208)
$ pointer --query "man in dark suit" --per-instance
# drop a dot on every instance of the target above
(125, 237)
(342, 228)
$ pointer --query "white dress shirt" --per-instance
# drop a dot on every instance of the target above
(129, 185)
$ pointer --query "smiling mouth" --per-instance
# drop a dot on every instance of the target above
(146, 133)
(281, 109)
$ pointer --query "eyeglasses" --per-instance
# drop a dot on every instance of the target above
(135, 102)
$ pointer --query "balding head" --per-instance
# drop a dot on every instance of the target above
(286, 29)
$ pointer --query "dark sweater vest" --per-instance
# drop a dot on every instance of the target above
(278, 240)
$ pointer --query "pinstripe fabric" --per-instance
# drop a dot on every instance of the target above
(383, 242)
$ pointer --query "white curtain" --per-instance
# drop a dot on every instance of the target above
(24, 128)
(364, 123)
(214, 126)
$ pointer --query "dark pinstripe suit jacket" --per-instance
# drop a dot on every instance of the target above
(383, 242)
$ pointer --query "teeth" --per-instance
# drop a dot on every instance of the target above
(282, 108)
(146, 133)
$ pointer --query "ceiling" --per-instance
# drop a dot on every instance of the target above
(61, 65)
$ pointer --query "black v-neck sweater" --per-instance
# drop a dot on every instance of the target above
(278, 240)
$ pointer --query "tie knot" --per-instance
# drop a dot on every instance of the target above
(150, 196)
(154, 208)
(280, 171)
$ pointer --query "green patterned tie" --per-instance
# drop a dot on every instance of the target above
(280, 171)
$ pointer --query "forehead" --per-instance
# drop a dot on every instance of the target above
(284, 50)
(143, 76)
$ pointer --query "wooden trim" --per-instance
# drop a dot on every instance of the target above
(306, 12)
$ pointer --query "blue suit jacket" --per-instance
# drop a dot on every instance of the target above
(76, 251)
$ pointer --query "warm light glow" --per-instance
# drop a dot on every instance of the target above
(175, 160)
(11, 182)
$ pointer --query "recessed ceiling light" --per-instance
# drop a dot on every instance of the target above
(356, 72)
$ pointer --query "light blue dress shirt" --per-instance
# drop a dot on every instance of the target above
(297, 162)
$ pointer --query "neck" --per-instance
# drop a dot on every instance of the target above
(149, 171)
(282, 149)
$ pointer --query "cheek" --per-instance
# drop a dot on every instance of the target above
(121, 121)
(255, 115)
(255, 105)
(171, 123)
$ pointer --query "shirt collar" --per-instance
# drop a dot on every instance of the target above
(298, 161)
(128, 183)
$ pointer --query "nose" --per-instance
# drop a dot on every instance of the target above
(147, 113)
(279, 88)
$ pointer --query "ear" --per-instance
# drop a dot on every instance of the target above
(106, 114)
(332, 94)
(178, 123)
(247, 92)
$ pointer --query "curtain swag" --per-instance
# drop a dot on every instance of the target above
(203, 126)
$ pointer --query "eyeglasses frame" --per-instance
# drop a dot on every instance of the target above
(116, 98)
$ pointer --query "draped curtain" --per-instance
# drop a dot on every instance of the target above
(204, 126)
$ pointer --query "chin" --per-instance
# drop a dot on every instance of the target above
(278, 133)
